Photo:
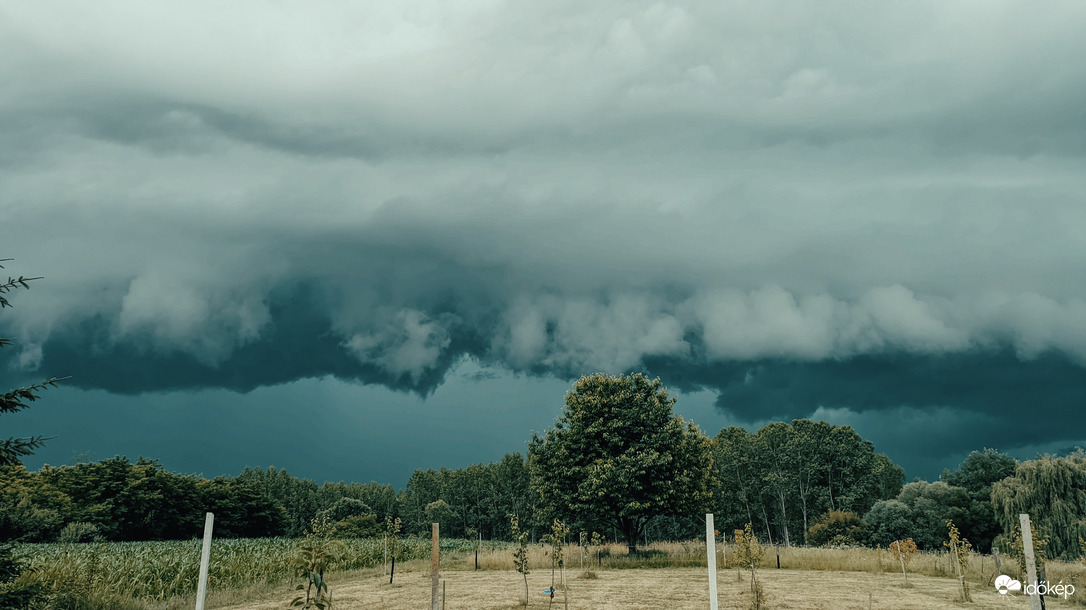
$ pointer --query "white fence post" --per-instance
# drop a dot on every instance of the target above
(205, 558)
(434, 568)
(1035, 601)
(710, 556)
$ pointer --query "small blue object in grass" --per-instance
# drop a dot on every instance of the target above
(548, 591)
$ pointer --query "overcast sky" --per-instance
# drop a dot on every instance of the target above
(354, 239)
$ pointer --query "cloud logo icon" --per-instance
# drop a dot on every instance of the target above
(1005, 583)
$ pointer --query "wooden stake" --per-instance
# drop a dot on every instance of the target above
(710, 557)
(1035, 600)
(958, 564)
(434, 575)
(205, 559)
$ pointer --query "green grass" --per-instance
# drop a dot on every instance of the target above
(164, 570)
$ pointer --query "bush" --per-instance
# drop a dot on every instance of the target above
(889, 520)
(357, 526)
(838, 528)
(78, 531)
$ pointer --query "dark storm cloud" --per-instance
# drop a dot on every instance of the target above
(850, 211)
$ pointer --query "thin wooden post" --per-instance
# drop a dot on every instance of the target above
(710, 557)
(434, 574)
(1036, 602)
(443, 595)
(958, 564)
(205, 559)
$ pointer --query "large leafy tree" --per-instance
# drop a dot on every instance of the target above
(619, 454)
(976, 474)
(12, 449)
(920, 512)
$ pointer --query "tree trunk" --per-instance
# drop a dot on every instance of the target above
(765, 520)
(803, 506)
(829, 485)
(630, 530)
(784, 520)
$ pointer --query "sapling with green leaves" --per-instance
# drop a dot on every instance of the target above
(748, 552)
(1012, 546)
(959, 551)
(520, 553)
(556, 538)
(316, 554)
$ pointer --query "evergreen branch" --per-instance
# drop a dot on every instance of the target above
(12, 284)
(16, 400)
(14, 448)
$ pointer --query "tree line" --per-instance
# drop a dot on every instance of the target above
(618, 461)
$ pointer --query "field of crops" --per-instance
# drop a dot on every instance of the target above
(157, 571)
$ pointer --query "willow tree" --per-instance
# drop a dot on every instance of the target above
(619, 454)
(1052, 490)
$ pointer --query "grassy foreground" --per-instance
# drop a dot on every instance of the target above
(255, 574)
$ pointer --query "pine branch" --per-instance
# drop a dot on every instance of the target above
(16, 400)
(14, 448)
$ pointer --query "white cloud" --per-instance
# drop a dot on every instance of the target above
(410, 344)
(582, 186)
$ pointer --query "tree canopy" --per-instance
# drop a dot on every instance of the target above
(1052, 490)
(783, 477)
(618, 454)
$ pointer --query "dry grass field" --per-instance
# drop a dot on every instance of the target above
(684, 587)
(656, 588)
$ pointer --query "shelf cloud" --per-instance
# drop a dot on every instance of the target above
(799, 209)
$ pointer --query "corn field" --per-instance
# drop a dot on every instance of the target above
(158, 571)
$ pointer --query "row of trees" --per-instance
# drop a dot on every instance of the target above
(784, 476)
(119, 500)
(618, 455)
(618, 460)
(983, 498)
(649, 490)
(116, 499)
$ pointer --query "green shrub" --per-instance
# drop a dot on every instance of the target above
(357, 526)
(77, 531)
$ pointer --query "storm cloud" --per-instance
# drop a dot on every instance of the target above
(850, 210)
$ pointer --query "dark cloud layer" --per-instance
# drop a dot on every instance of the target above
(857, 212)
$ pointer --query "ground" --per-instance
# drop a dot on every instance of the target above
(656, 588)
